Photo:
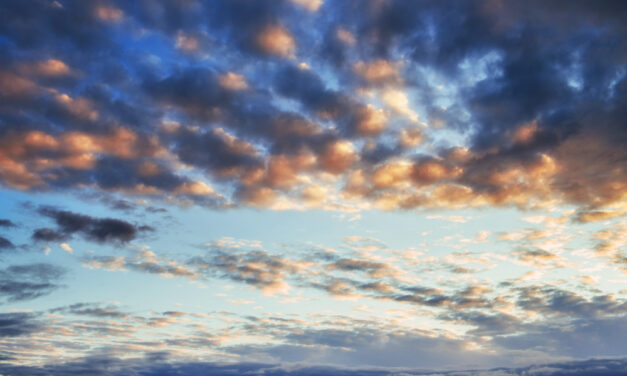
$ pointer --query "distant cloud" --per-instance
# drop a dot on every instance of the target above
(109, 366)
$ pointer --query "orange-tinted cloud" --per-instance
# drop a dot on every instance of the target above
(370, 121)
(379, 71)
(276, 40)
(338, 156)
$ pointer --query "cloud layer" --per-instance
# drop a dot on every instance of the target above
(245, 114)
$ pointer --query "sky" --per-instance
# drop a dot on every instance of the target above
(313, 187)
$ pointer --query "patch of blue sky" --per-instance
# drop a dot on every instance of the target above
(475, 69)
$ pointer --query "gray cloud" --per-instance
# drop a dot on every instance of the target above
(18, 324)
(29, 281)
(158, 365)
(102, 230)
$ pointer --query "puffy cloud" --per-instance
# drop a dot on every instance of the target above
(216, 151)
(370, 121)
(38, 159)
(345, 36)
(392, 174)
(66, 247)
(310, 5)
(313, 195)
(47, 68)
(109, 14)
(380, 72)
(505, 136)
(429, 171)
(186, 42)
(15, 86)
(410, 137)
(233, 81)
(338, 156)
(276, 40)
(397, 100)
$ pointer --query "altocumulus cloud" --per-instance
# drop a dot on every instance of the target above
(531, 103)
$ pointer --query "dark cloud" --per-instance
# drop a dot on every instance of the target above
(309, 89)
(6, 243)
(102, 230)
(18, 324)
(49, 235)
(196, 92)
(29, 281)
(6, 223)
(216, 152)
(25, 24)
(109, 366)
(115, 173)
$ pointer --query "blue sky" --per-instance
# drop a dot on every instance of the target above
(312, 187)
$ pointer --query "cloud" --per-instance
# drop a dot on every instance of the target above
(110, 366)
(62, 130)
(101, 230)
(29, 281)
(373, 269)
(379, 72)
(6, 243)
(109, 14)
(18, 324)
(276, 40)
(598, 215)
(144, 261)
(305, 105)
(556, 302)
(92, 310)
(397, 100)
(310, 5)
(233, 81)
(257, 268)
(370, 121)
(6, 223)
(66, 247)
